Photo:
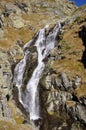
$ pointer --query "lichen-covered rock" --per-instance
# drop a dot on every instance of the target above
(16, 52)
(17, 22)
(5, 74)
(5, 87)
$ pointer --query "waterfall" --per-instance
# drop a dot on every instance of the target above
(18, 75)
(30, 98)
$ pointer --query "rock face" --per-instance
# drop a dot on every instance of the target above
(19, 19)
(5, 87)
(63, 83)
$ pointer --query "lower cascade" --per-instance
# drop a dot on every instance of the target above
(29, 98)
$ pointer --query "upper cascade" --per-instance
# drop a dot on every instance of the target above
(30, 97)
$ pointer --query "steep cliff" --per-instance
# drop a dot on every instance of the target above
(63, 83)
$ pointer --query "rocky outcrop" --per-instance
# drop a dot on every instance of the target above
(5, 111)
(5, 74)
(59, 99)
(63, 82)
(5, 87)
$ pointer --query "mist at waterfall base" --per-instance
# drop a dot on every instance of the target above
(30, 97)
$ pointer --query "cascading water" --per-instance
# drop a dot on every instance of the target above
(18, 74)
(30, 98)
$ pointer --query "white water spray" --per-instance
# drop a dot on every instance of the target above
(30, 99)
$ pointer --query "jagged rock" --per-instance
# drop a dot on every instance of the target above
(55, 54)
(54, 100)
(16, 52)
(59, 81)
(77, 81)
(5, 109)
(46, 82)
(78, 112)
(82, 100)
(22, 6)
(5, 74)
(5, 87)
(65, 81)
(9, 8)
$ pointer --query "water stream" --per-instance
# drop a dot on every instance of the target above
(30, 98)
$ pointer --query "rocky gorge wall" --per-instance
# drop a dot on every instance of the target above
(63, 87)
(63, 84)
